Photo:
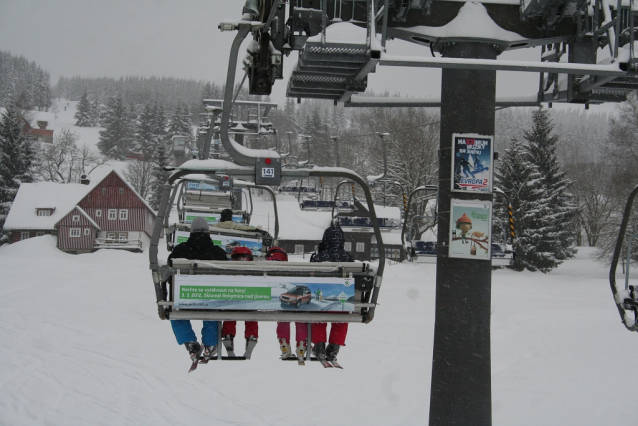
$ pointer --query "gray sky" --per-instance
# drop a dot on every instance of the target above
(178, 38)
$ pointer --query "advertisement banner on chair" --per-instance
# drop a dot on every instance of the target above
(472, 163)
(293, 294)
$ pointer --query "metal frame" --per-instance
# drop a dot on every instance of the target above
(626, 301)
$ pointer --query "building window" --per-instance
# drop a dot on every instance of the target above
(98, 213)
(110, 236)
(124, 214)
(43, 212)
(374, 252)
(76, 218)
(122, 236)
(347, 246)
(87, 231)
(298, 248)
(74, 232)
(112, 214)
(103, 190)
(39, 233)
(361, 247)
(24, 235)
(121, 190)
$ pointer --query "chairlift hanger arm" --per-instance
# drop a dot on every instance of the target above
(418, 189)
(274, 198)
(614, 263)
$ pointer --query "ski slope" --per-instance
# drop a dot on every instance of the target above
(81, 344)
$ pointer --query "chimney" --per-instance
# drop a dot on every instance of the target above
(42, 125)
(85, 180)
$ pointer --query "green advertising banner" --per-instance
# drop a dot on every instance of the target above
(263, 293)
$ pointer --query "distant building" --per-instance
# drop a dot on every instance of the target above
(84, 217)
(38, 124)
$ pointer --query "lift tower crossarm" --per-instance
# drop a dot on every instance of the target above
(502, 65)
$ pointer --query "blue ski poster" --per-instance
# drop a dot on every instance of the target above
(472, 163)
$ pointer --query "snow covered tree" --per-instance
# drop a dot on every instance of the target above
(64, 160)
(180, 121)
(140, 175)
(117, 137)
(524, 185)
(541, 151)
(83, 115)
(16, 158)
(144, 132)
(159, 175)
(159, 123)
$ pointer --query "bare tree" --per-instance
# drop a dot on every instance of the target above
(140, 175)
(64, 161)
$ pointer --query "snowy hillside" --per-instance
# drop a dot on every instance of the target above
(88, 136)
(81, 344)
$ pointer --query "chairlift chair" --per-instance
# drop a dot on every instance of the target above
(204, 290)
(626, 298)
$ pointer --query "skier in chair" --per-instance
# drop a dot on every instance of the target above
(330, 250)
(199, 246)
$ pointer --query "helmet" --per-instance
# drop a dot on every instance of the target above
(226, 215)
(277, 254)
(239, 252)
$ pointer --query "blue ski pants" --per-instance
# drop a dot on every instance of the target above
(184, 332)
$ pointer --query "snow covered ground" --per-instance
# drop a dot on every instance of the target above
(81, 344)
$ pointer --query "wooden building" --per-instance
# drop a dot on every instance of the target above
(84, 217)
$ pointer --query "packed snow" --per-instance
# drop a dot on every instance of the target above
(81, 343)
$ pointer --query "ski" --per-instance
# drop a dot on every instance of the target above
(250, 345)
(195, 359)
(336, 364)
(207, 356)
(325, 363)
(228, 344)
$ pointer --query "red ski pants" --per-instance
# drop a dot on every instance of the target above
(230, 327)
(338, 332)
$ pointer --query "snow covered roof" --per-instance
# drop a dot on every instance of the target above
(32, 117)
(60, 197)
(85, 214)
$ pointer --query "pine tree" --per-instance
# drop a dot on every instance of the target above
(159, 124)
(83, 113)
(180, 121)
(117, 137)
(144, 133)
(16, 158)
(523, 183)
(541, 151)
(159, 176)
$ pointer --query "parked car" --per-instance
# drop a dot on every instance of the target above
(295, 297)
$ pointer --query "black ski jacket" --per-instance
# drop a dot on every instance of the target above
(331, 247)
(199, 246)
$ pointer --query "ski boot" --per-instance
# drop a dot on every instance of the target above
(301, 349)
(194, 350)
(319, 350)
(285, 348)
(331, 352)
(229, 344)
(209, 352)
(251, 342)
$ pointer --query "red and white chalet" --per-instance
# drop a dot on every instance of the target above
(85, 218)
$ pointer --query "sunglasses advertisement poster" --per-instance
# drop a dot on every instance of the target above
(228, 243)
(267, 293)
(470, 229)
(472, 163)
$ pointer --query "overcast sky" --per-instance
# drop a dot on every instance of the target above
(178, 38)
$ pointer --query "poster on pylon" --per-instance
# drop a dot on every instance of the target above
(471, 229)
(472, 163)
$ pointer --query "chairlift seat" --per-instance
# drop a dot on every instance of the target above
(229, 278)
